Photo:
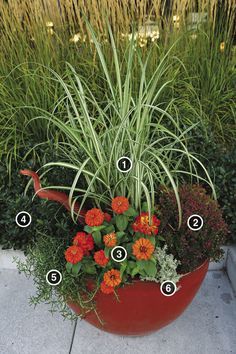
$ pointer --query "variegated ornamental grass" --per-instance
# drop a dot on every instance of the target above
(131, 120)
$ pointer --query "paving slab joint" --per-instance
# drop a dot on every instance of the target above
(231, 266)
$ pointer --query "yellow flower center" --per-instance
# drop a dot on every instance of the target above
(144, 220)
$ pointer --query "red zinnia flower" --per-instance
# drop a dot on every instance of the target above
(74, 254)
(143, 249)
(100, 258)
(144, 225)
(94, 217)
(120, 204)
(112, 278)
(106, 289)
(84, 241)
(107, 217)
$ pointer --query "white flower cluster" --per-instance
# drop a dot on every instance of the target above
(149, 31)
(167, 266)
(78, 37)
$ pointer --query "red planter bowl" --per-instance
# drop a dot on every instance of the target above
(142, 308)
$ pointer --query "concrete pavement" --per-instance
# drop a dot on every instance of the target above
(208, 326)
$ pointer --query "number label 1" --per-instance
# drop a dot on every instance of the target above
(124, 164)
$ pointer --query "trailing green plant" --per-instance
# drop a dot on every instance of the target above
(46, 254)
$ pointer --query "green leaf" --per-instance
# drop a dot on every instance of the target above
(145, 207)
(131, 264)
(153, 260)
(141, 264)
(135, 271)
(121, 222)
(120, 234)
(88, 229)
(90, 269)
(130, 212)
(138, 234)
(161, 238)
(76, 268)
(150, 269)
(69, 266)
(98, 228)
(109, 229)
(152, 239)
(107, 251)
(97, 236)
(123, 268)
(129, 247)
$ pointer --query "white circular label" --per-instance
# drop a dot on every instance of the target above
(23, 219)
(124, 164)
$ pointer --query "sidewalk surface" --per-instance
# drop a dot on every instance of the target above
(208, 326)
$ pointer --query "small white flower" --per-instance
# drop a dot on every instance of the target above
(75, 38)
(222, 46)
(49, 24)
(176, 21)
(193, 36)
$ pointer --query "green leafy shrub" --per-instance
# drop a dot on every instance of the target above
(221, 160)
(191, 248)
(223, 165)
(47, 217)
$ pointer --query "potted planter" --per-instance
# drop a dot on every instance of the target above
(123, 295)
(142, 308)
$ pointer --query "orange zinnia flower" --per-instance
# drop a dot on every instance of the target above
(110, 239)
(94, 217)
(120, 204)
(112, 278)
(100, 258)
(84, 241)
(143, 249)
(74, 254)
(106, 289)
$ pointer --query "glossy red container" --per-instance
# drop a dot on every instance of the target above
(142, 308)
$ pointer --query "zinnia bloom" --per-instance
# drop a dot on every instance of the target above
(120, 204)
(107, 217)
(84, 241)
(106, 289)
(74, 254)
(143, 249)
(144, 225)
(100, 258)
(94, 217)
(110, 239)
(112, 278)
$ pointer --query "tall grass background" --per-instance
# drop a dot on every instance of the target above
(40, 34)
